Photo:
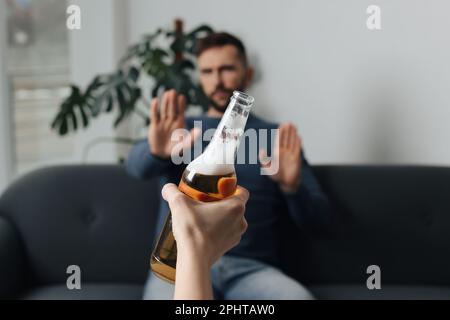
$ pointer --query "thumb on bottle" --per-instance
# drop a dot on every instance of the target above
(169, 191)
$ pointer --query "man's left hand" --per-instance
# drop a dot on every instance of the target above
(287, 152)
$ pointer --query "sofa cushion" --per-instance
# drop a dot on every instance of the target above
(96, 217)
(395, 217)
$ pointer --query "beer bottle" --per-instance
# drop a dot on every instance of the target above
(209, 177)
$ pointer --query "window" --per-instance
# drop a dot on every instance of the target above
(38, 75)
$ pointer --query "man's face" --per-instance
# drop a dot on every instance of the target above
(221, 72)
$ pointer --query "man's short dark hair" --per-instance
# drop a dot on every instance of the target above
(220, 39)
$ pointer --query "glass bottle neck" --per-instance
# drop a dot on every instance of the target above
(227, 136)
(221, 151)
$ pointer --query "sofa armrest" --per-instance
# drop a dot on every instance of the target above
(12, 261)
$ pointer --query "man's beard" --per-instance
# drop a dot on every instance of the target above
(218, 107)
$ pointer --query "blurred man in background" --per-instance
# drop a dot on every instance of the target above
(250, 270)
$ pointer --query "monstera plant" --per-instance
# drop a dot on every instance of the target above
(169, 67)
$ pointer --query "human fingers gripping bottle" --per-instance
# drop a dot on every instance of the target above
(210, 177)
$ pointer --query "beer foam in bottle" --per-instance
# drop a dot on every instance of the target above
(219, 156)
(218, 159)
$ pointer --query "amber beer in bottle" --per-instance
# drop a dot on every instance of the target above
(210, 177)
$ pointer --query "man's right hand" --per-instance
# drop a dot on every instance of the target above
(166, 117)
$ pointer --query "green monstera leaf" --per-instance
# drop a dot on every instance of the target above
(101, 96)
(71, 111)
(169, 67)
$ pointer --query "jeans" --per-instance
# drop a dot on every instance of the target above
(237, 278)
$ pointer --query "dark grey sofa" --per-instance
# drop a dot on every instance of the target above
(102, 220)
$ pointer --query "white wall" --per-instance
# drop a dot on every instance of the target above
(5, 141)
(96, 49)
(357, 96)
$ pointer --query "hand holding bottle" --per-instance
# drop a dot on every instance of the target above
(204, 231)
(208, 229)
